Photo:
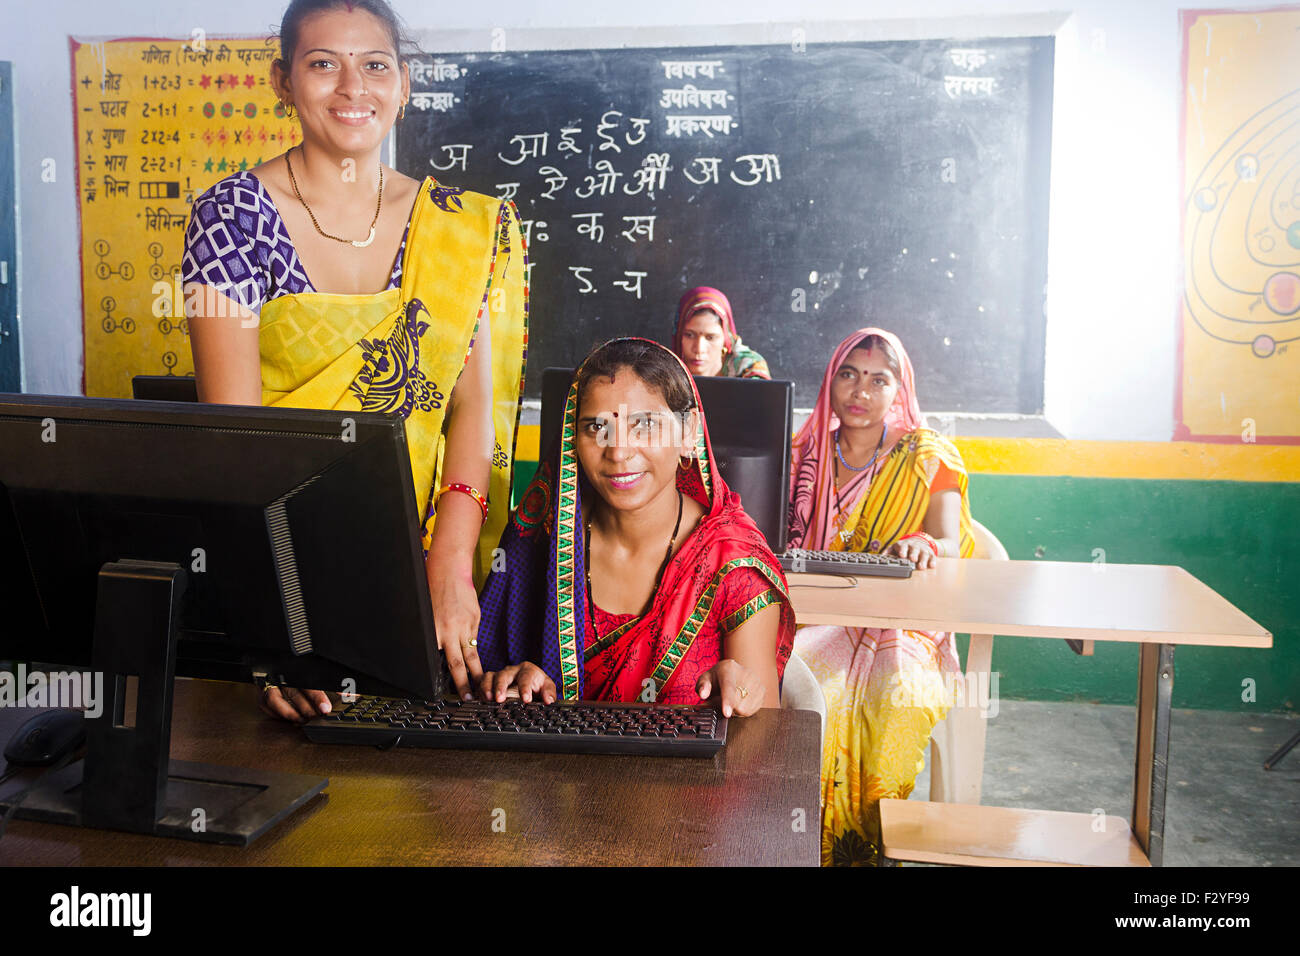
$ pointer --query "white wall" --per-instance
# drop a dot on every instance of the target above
(1113, 256)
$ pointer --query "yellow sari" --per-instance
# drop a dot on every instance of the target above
(403, 349)
(885, 689)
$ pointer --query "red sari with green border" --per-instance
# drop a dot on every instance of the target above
(535, 608)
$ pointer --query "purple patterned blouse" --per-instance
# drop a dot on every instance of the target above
(237, 243)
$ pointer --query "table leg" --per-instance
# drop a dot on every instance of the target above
(1151, 765)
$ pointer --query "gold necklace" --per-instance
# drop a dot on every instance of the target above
(359, 243)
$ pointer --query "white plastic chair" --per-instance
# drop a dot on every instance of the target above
(957, 743)
(800, 691)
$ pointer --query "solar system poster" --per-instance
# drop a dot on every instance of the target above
(1239, 311)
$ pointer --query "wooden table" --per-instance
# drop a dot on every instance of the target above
(1155, 606)
(433, 807)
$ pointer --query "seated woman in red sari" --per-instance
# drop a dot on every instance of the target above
(630, 571)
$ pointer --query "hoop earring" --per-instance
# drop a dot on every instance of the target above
(401, 113)
(684, 462)
(288, 110)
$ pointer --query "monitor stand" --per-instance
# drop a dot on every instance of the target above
(127, 781)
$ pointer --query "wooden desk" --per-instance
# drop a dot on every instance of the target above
(432, 807)
(1154, 606)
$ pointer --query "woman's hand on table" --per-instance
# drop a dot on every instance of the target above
(732, 687)
(916, 550)
(525, 680)
(289, 703)
(455, 620)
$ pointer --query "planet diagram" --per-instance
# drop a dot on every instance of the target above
(1242, 234)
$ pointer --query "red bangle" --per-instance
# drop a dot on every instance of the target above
(934, 545)
(465, 490)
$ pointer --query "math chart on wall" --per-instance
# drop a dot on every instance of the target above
(899, 184)
(1239, 375)
(157, 122)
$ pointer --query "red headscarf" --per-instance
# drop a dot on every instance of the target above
(697, 300)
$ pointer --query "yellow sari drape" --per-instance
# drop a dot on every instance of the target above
(403, 349)
(899, 496)
(885, 689)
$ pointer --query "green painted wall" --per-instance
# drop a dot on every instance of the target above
(1240, 538)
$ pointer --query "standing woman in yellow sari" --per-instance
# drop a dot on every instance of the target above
(324, 279)
(869, 476)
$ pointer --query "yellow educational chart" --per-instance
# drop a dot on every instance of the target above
(157, 122)
(1239, 375)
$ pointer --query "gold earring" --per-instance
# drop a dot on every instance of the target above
(288, 109)
(401, 113)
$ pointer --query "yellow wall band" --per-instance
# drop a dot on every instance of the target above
(1198, 461)
(1097, 459)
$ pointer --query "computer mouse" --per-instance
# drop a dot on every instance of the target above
(46, 737)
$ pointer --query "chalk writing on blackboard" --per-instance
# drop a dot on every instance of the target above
(956, 86)
(639, 172)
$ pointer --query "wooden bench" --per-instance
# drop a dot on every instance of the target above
(963, 834)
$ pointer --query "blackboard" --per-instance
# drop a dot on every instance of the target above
(902, 184)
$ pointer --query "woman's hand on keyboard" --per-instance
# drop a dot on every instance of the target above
(455, 621)
(292, 704)
(527, 679)
(732, 687)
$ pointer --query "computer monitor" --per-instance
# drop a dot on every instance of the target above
(165, 388)
(750, 423)
(152, 539)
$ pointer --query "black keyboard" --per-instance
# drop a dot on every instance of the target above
(857, 563)
(587, 727)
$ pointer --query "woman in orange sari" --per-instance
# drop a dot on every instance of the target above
(869, 476)
(648, 580)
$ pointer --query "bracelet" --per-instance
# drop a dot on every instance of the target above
(465, 490)
(934, 545)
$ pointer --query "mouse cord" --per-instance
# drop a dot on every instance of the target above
(17, 799)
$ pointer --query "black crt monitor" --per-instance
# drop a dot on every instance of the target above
(154, 539)
(750, 423)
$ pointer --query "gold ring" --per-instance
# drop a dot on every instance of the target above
(473, 642)
(743, 693)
